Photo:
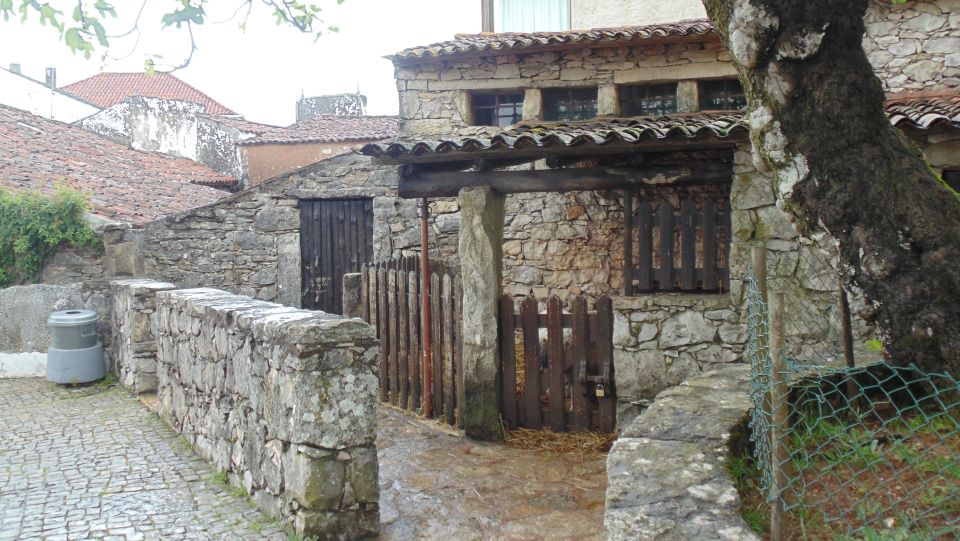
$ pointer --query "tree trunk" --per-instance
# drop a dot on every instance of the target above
(817, 121)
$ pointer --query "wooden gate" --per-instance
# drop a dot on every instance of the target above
(390, 293)
(336, 238)
(566, 385)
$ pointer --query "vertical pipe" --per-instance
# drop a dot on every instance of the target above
(425, 316)
(779, 404)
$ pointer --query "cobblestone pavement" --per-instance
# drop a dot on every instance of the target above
(93, 463)
(437, 485)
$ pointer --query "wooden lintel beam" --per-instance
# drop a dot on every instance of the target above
(448, 184)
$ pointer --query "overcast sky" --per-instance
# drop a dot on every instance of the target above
(261, 72)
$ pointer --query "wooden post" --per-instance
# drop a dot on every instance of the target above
(486, 15)
(847, 327)
(425, 321)
(759, 256)
(779, 406)
(628, 243)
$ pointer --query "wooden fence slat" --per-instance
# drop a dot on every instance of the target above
(555, 356)
(458, 349)
(645, 242)
(531, 413)
(382, 318)
(448, 337)
(709, 245)
(580, 419)
(603, 343)
(413, 313)
(688, 245)
(436, 325)
(508, 364)
(394, 335)
(403, 355)
(364, 294)
(665, 221)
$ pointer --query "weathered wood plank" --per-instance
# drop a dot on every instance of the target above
(437, 345)
(645, 244)
(603, 343)
(403, 355)
(688, 245)
(628, 270)
(382, 317)
(709, 245)
(458, 350)
(413, 315)
(531, 414)
(449, 404)
(449, 183)
(665, 221)
(394, 336)
(508, 364)
(580, 420)
(558, 420)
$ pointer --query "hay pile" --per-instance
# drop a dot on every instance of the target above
(583, 444)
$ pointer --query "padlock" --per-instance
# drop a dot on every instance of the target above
(600, 391)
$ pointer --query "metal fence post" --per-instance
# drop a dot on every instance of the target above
(779, 406)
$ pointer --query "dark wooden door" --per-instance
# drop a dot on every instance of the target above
(336, 238)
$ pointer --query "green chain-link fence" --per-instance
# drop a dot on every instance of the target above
(870, 451)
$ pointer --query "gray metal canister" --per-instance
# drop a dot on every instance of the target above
(75, 355)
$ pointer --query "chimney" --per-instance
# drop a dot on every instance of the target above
(52, 77)
(15, 68)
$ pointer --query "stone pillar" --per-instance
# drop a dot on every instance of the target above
(608, 101)
(533, 104)
(481, 261)
(352, 303)
(688, 96)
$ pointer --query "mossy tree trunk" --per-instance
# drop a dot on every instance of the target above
(817, 122)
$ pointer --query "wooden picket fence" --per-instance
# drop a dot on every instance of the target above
(570, 386)
(390, 293)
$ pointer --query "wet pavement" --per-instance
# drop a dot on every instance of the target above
(435, 484)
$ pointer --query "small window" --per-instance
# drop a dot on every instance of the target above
(569, 103)
(952, 178)
(722, 95)
(648, 100)
(497, 109)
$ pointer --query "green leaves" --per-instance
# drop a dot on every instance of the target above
(34, 226)
(189, 13)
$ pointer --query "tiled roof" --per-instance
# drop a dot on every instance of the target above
(925, 111)
(513, 41)
(240, 124)
(106, 89)
(331, 129)
(124, 185)
(916, 111)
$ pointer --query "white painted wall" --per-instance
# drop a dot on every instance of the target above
(606, 13)
(31, 364)
(37, 98)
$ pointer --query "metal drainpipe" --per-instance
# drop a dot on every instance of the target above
(425, 316)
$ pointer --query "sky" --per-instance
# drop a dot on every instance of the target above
(260, 72)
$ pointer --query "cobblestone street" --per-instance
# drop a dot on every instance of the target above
(94, 463)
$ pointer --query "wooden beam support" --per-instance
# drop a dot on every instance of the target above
(448, 184)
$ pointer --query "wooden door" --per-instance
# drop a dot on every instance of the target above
(336, 238)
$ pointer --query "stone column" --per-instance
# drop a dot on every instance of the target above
(481, 261)
(608, 101)
(533, 104)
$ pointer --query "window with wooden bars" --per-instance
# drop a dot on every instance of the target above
(677, 240)
(497, 108)
(648, 100)
(569, 103)
(722, 95)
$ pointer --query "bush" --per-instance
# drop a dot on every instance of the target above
(33, 226)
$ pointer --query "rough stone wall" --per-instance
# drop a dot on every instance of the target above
(435, 100)
(284, 400)
(150, 124)
(119, 255)
(134, 346)
(691, 495)
(217, 148)
(916, 45)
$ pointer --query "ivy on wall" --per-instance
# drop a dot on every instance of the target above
(33, 226)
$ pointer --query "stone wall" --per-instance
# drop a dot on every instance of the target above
(916, 45)
(690, 494)
(284, 400)
(119, 255)
(134, 345)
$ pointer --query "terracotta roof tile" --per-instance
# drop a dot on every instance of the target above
(106, 89)
(124, 185)
(331, 129)
(921, 112)
(513, 41)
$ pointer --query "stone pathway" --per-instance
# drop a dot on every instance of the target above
(93, 463)
(436, 485)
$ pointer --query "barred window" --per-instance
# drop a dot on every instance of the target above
(722, 95)
(497, 109)
(569, 103)
(648, 100)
